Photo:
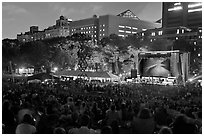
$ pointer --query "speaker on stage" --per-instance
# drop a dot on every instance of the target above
(133, 73)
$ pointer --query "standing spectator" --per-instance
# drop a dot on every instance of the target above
(112, 115)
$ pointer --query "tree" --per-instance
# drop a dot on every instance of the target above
(133, 41)
(160, 45)
(84, 49)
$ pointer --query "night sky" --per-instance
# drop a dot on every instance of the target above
(18, 17)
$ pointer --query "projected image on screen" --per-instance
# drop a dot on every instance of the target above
(155, 67)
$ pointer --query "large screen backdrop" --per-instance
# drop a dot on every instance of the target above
(163, 64)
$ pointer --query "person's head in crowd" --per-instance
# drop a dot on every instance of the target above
(144, 113)
(199, 114)
(6, 105)
(59, 130)
(106, 130)
(27, 119)
(113, 107)
(69, 99)
(123, 105)
(165, 130)
(83, 104)
(84, 120)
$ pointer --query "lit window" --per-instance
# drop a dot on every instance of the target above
(128, 32)
(103, 25)
(194, 43)
(103, 29)
(160, 32)
(182, 31)
(142, 34)
(151, 40)
(89, 32)
(94, 35)
(175, 8)
(92, 26)
(100, 34)
(198, 54)
(194, 10)
(121, 30)
(144, 29)
(94, 31)
(81, 28)
(194, 5)
(121, 35)
(121, 26)
(177, 32)
(103, 34)
(100, 30)
(134, 28)
(95, 26)
(200, 31)
(128, 27)
(153, 33)
(89, 27)
(134, 32)
(176, 38)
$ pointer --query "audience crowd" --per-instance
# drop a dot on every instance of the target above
(81, 107)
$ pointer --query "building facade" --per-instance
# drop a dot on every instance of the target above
(188, 14)
(87, 26)
(180, 20)
(60, 29)
(124, 24)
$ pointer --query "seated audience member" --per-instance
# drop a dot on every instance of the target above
(182, 125)
(59, 130)
(165, 130)
(84, 122)
(143, 123)
(25, 127)
(106, 130)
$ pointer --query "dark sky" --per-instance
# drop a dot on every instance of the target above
(18, 17)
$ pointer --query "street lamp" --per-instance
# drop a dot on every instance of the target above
(55, 69)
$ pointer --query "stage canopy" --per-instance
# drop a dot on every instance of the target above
(42, 76)
(89, 74)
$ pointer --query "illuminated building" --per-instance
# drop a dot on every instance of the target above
(124, 24)
(188, 14)
(87, 26)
